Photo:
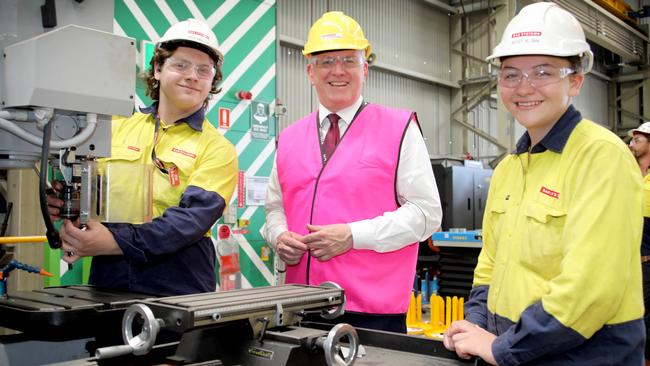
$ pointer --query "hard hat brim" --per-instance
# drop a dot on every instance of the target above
(216, 55)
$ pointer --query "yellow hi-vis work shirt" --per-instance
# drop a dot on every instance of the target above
(646, 191)
(565, 228)
(172, 254)
(203, 159)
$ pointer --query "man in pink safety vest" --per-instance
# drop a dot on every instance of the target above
(352, 192)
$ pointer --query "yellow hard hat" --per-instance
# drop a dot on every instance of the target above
(335, 31)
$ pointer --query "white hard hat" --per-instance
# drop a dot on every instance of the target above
(195, 31)
(644, 128)
(544, 29)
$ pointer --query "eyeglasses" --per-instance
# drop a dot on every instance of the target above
(329, 62)
(185, 67)
(537, 77)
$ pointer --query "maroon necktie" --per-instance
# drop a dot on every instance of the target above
(333, 135)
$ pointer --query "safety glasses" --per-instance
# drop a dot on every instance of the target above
(537, 77)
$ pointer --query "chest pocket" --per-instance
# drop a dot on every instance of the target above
(185, 164)
(496, 215)
(542, 236)
(125, 186)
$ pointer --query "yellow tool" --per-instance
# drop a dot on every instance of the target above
(414, 315)
(442, 313)
(22, 239)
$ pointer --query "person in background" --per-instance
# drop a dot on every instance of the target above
(558, 280)
(640, 147)
(194, 175)
(352, 192)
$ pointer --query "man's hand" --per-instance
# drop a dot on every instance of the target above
(54, 204)
(94, 239)
(328, 241)
(290, 247)
(469, 340)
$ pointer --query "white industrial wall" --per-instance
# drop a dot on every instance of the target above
(406, 35)
(592, 101)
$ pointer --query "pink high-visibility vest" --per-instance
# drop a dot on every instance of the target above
(356, 183)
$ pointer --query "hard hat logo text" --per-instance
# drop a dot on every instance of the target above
(331, 36)
(198, 34)
(526, 34)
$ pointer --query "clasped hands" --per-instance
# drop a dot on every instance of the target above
(324, 241)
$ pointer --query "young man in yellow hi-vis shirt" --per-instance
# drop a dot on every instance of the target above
(193, 175)
(558, 280)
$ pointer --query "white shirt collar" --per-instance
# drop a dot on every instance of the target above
(346, 114)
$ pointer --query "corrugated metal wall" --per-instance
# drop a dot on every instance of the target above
(408, 34)
(592, 101)
(294, 88)
(430, 102)
(479, 43)
(483, 116)
(630, 105)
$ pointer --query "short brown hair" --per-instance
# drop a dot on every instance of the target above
(159, 57)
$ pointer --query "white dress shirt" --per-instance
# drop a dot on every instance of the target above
(419, 215)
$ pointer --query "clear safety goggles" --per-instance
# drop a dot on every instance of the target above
(537, 77)
(185, 67)
(328, 62)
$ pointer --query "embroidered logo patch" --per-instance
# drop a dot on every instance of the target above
(549, 192)
(183, 152)
(134, 148)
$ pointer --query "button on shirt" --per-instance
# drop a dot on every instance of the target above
(392, 230)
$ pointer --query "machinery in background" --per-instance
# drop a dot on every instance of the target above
(58, 92)
(463, 192)
(452, 253)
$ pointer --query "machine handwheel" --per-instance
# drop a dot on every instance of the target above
(332, 345)
(334, 312)
(144, 341)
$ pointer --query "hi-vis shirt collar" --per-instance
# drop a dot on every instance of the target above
(556, 138)
(195, 120)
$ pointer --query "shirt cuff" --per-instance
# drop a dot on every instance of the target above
(362, 235)
(500, 348)
(275, 232)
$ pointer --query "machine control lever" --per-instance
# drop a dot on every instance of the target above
(332, 345)
(139, 344)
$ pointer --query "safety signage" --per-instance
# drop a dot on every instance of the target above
(224, 118)
(260, 120)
